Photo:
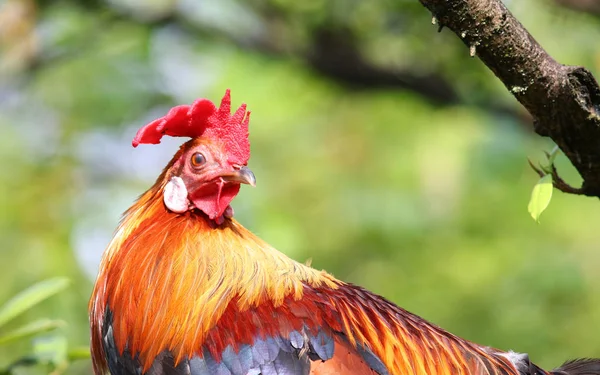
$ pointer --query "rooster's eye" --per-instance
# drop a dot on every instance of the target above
(198, 159)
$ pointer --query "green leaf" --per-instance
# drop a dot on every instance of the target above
(31, 329)
(30, 297)
(540, 197)
(51, 349)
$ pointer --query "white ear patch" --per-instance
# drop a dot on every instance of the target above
(175, 195)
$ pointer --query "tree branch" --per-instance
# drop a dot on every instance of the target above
(563, 100)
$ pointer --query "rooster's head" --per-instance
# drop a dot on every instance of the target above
(207, 171)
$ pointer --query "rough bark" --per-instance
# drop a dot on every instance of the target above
(564, 101)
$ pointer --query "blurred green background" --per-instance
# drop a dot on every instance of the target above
(382, 151)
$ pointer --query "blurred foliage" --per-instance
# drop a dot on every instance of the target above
(50, 352)
(412, 181)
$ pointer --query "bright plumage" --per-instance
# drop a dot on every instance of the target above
(184, 289)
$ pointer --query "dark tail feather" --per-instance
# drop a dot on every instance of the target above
(583, 366)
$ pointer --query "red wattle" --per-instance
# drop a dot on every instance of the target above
(214, 199)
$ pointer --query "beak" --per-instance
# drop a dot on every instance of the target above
(242, 176)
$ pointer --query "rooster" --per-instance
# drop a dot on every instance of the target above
(184, 289)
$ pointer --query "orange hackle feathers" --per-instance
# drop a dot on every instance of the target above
(185, 277)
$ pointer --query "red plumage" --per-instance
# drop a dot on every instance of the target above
(184, 289)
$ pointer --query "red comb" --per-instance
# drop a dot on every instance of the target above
(203, 119)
